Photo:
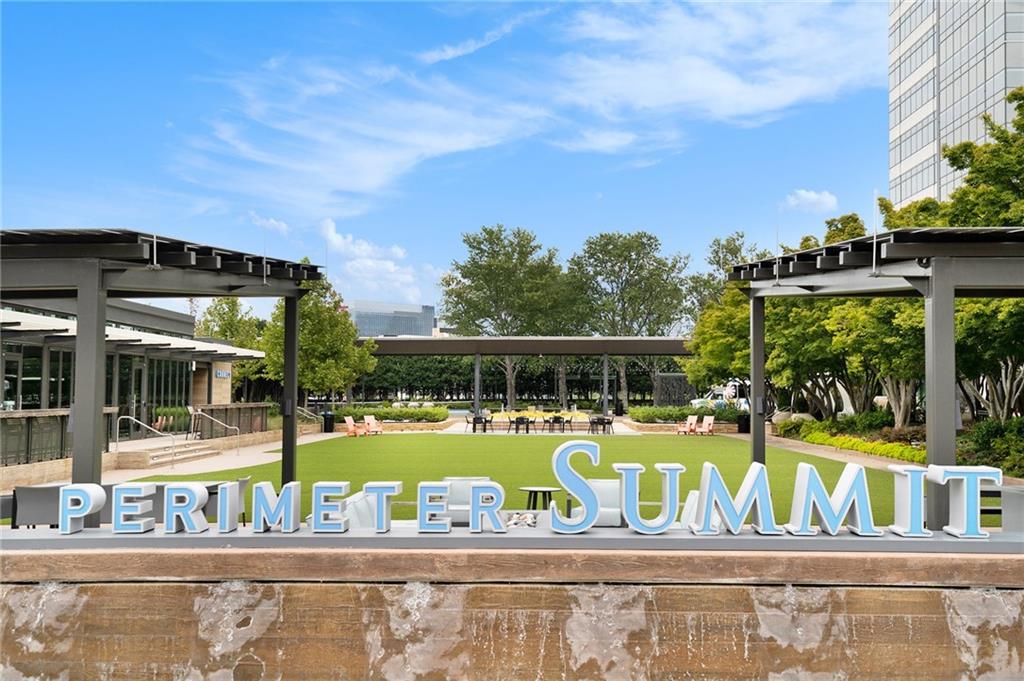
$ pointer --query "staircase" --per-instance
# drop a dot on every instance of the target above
(164, 454)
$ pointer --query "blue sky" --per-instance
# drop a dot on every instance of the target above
(370, 136)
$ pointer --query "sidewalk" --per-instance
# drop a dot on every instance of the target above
(837, 454)
(253, 455)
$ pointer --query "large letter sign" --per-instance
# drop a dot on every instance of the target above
(629, 494)
(964, 496)
(125, 508)
(270, 510)
(754, 495)
(76, 502)
(382, 493)
(849, 501)
(575, 484)
(909, 501)
(183, 508)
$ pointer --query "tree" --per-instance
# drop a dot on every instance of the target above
(226, 319)
(329, 359)
(720, 342)
(703, 288)
(506, 286)
(844, 227)
(887, 335)
(990, 353)
(629, 289)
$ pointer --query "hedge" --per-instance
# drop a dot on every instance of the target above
(179, 414)
(676, 414)
(418, 414)
(892, 450)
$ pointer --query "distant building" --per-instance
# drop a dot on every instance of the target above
(391, 319)
(949, 62)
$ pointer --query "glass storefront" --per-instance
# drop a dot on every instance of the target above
(39, 377)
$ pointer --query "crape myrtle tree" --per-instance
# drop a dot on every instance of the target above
(330, 362)
(507, 285)
(227, 319)
(990, 357)
(629, 289)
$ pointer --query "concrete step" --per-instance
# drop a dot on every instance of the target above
(164, 457)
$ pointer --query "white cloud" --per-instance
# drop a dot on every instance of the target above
(811, 201)
(270, 224)
(382, 278)
(306, 139)
(447, 52)
(349, 246)
(601, 141)
(739, 62)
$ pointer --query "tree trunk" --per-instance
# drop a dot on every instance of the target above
(623, 386)
(901, 399)
(563, 387)
(511, 367)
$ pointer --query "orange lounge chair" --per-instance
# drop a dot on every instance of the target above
(373, 427)
(707, 427)
(688, 427)
(354, 429)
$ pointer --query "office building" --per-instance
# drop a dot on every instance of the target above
(949, 62)
(391, 319)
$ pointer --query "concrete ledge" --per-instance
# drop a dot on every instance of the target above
(534, 566)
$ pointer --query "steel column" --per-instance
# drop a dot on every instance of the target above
(604, 385)
(757, 382)
(290, 396)
(940, 384)
(90, 382)
(476, 384)
(209, 383)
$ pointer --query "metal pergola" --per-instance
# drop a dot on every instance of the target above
(92, 265)
(937, 264)
(478, 346)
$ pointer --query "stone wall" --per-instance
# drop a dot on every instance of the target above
(42, 472)
(418, 630)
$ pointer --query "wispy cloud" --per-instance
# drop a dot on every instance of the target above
(737, 62)
(311, 140)
(352, 247)
(270, 224)
(602, 141)
(447, 52)
(810, 201)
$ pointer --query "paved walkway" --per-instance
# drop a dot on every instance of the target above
(253, 455)
(834, 453)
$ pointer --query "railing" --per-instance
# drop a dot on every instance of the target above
(238, 432)
(302, 411)
(117, 435)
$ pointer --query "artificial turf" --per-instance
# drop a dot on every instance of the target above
(516, 461)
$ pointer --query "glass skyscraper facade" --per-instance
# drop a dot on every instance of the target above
(949, 62)
(391, 319)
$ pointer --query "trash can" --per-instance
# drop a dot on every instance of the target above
(619, 411)
(328, 417)
(743, 423)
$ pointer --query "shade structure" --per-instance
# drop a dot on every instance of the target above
(478, 346)
(92, 265)
(936, 264)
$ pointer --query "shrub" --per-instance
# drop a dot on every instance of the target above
(866, 422)
(892, 450)
(179, 414)
(982, 437)
(676, 414)
(909, 435)
(789, 428)
(1009, 449)
(418, 414)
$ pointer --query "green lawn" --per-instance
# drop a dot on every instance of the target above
(526, 460)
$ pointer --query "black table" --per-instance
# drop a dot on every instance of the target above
(522, 421)
(481, 421)
(602, 422)
(542, 494)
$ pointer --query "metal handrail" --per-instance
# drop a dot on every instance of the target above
(117, 435)
(302, 411)
(238, 431)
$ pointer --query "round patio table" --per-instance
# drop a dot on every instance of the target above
(542, 494)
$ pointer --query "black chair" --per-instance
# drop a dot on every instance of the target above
(523, 421)
(554, 421)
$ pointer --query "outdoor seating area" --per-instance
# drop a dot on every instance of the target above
(694, 425)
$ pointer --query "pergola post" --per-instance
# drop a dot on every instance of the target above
(290, 396)
(476, 384)
(757, 382)
(90, 383)
(209, 384)
(940, 384)
(604, 384)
